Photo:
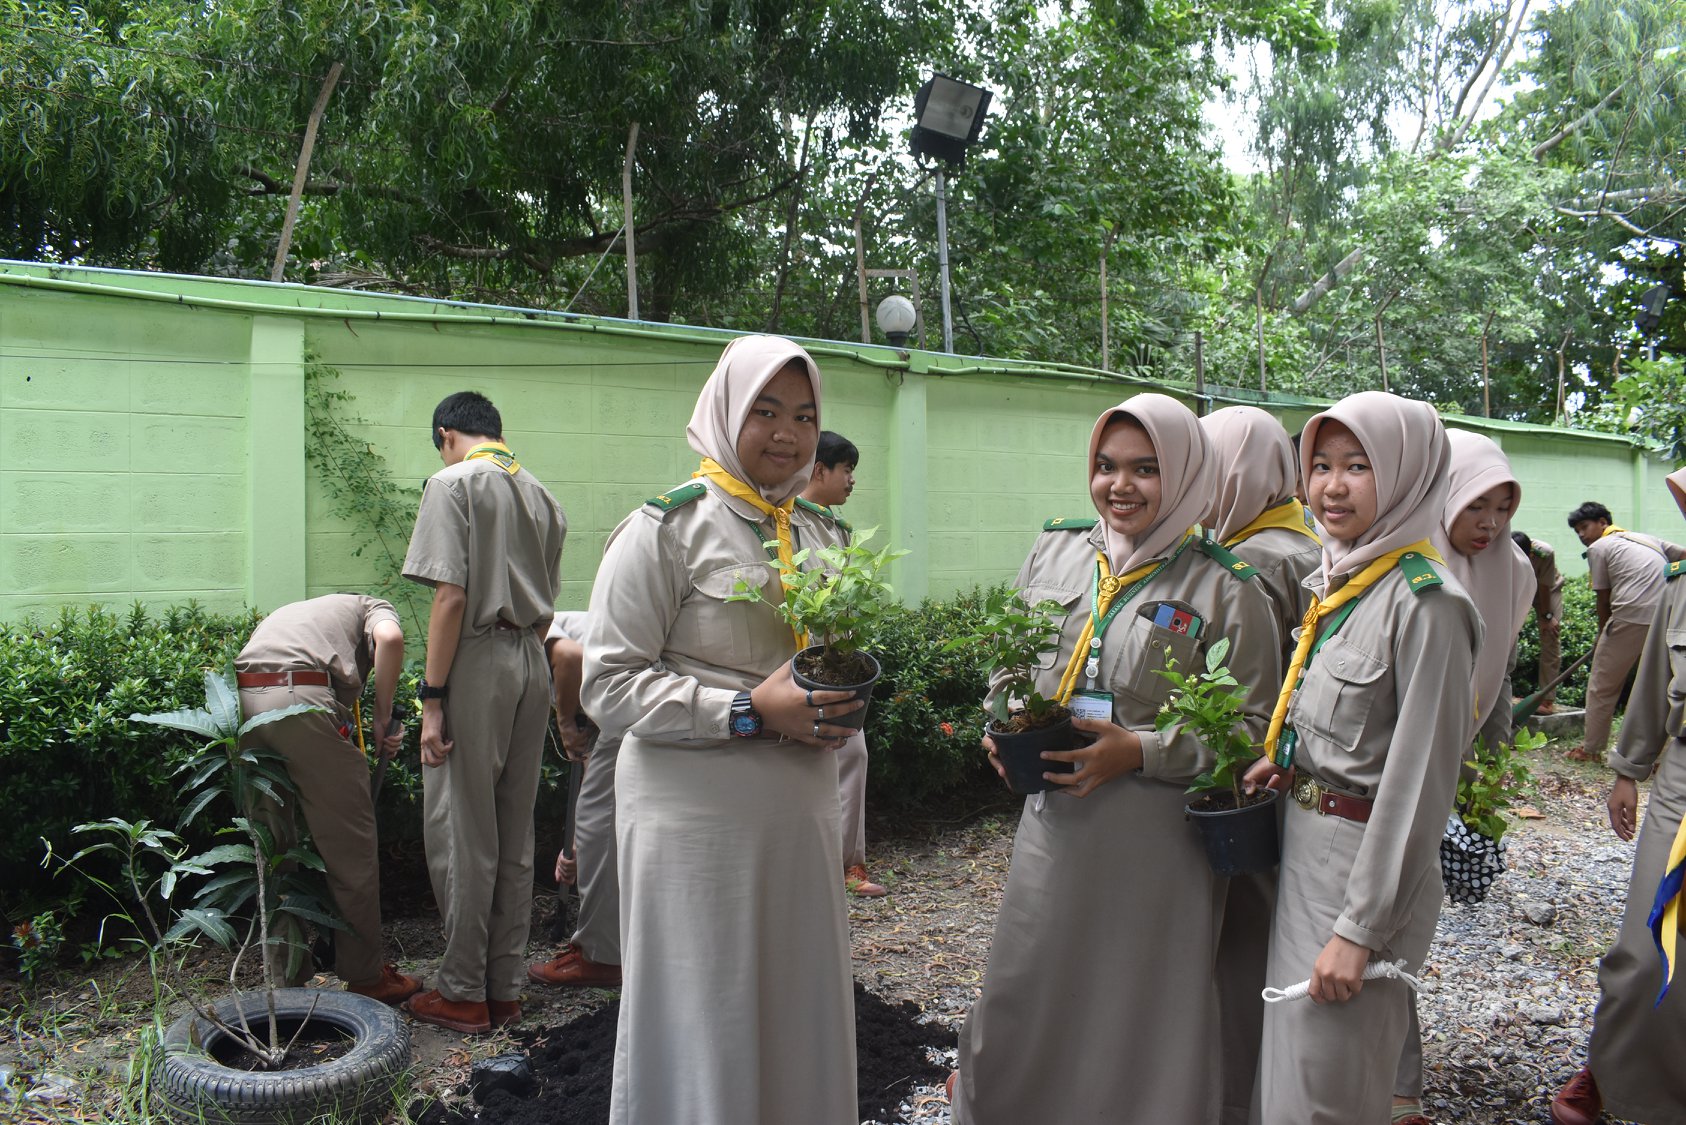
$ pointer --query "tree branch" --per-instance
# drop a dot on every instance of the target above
(1578, 123)
(1320, 288)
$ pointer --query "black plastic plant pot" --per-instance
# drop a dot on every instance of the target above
(1021, 754)
(1241, 841)
(863, 689)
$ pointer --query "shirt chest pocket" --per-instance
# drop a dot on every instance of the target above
(1339, 691)
(1137, 650)
(1677, 664)
(712, 627)
(1065, 610)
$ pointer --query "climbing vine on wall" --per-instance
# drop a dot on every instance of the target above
(360, 486)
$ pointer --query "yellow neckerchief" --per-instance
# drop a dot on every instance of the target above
(1665, 911)
(1290, 515)
(1108, 588)
(711, 470)
(497, 453)
(1321, 608)
(1612, 530)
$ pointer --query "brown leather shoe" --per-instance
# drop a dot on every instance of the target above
(855, 878)
(391, 987)
(467, 1016)
(1414, 1119)
(1579, 1102)
(573, 969)
(953, 1076)
(504, 1013)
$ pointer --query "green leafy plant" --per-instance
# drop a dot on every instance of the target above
(1492, 781)
(38, 942)
(1208, 704)
(1013, 636)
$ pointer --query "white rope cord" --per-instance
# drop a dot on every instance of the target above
(1375, 970)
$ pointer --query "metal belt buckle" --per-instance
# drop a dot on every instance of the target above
(1306, 793)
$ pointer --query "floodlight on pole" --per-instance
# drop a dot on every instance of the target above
(948, 115)
(1650, 316)
(896, 318)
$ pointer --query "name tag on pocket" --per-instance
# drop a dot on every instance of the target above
(1094, 705)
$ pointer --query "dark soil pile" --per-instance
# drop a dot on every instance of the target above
(575, 1063)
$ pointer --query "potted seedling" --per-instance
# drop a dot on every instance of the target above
(1472, 850)
(835, 596)
(1238, 828)
(243, 1057)
(1023, 722)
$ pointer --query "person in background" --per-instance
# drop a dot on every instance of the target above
(488, 540)
(592, 956)
(738, 1003)
(835, 461)
(320, 652)
(1626, 572)
(1548, 612)
(1255, 513)
(1634, 1056)
(1482, 499)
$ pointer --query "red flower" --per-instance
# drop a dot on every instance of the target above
(947, 728)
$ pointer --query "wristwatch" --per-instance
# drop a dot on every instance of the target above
(746, 720)
(428, 691)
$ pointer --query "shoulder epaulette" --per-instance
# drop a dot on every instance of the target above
(1069, 523)
(1418, 573)
(677, 497)
(1232, 562)
(822, 510)
(1675, 569)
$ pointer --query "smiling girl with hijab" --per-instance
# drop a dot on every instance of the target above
(1098, 1003)
(1474, 538)
(1380, 719)
(1255, 513)
(738, 1007)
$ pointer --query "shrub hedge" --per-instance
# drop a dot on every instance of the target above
(1579, 630)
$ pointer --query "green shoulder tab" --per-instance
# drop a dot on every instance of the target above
(1674, 569)
(822, 510)
(677, 497)
(1232, 562)
(1070, 523)
(1418, 573)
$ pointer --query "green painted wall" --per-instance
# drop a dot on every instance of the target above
(152, 436)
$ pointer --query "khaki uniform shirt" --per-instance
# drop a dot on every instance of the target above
(1547, 578)
(332, 634)
(1629, 565)
(498, 536)
(1385, 712)
(1656, 711)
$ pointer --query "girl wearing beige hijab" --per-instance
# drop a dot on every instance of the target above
(1375, 714)
(1255, 513)
(1098, 1003)
(738, 1005)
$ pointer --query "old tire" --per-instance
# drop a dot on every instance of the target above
(190, 1085)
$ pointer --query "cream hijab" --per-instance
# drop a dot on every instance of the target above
(1255, 467)
(1187, 473)
(1677, 485)
(1499, 580)
(1408, 455)
(746, 366)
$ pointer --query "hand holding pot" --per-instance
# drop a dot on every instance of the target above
(1115, 750)
(1266, 774)
(785, 709)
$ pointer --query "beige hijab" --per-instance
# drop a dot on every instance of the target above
(1255, 467)
(1187, 473)
(1408, 455)
(1677, 485)
(1500, 579)
(746, 366)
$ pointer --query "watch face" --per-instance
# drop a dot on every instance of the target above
(745, 726)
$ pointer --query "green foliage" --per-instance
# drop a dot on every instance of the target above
(66, 687)
(833, 595)
(1011, 637)
(1652, 396)
(1493, 780)
(1578, 631)
(38, 942)
(1208, 705)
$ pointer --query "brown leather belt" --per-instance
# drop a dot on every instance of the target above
(1313, 795)
(301, 677)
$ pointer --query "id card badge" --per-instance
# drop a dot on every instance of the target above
(1095, 705)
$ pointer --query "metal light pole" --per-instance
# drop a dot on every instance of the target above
(947, 117)
(942, 258)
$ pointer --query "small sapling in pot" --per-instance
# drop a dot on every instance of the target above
(1472, 850)
(1023, 722)
(1239, 829)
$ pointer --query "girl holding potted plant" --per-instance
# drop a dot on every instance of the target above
(1474, 537)
(1375, 714)
(738, 1007)
(1111, 909)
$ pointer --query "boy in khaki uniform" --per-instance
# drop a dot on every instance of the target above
(488, 539)
(1548, 610)
(320, 652)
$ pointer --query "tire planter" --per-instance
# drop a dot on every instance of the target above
(863, 691)
(189, 1085)
(1021, 754)
(1241, 841)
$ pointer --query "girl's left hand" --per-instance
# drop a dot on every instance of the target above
(1338, 974)
(1114, 751)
